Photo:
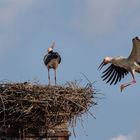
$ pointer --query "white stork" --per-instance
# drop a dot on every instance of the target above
(121, 66)
(51, 60)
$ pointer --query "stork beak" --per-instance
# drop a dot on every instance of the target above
(53, 45)
(101, 65)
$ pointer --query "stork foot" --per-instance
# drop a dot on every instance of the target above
(122, 87)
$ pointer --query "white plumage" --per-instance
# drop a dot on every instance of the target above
(121, 66)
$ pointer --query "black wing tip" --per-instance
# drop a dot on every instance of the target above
(113, 74)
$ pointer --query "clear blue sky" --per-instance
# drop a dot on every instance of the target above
(85, 31)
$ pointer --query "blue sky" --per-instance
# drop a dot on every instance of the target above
(85, 31)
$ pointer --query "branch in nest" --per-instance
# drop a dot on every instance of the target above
(38, 106)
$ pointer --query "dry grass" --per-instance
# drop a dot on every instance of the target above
(35, 106)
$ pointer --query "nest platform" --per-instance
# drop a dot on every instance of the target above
(35, 106)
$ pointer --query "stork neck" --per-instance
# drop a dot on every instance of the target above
(119, 61)
(110, 60)
(50, 52)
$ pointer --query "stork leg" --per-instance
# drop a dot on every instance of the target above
(49, 76)
(55, 75)
(129, 83)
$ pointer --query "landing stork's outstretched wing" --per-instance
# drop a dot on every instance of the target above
(135, 53)
(114, 74)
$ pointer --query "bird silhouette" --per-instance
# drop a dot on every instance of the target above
(51, 61)
(121, 66)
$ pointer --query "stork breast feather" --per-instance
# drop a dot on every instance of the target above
(114, 74)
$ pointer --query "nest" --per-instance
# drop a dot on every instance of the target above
(35, 106)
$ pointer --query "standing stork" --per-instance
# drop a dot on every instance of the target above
(51, 60)
(121, 66)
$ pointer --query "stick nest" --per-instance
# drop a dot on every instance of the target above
(35, 106)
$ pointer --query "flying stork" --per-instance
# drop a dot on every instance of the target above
(51, 60)
(121, 66)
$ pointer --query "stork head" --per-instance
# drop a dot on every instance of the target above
(136, 41)
(105, 61)
(50, 49)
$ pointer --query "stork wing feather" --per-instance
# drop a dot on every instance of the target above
(49, 57)
(135, 53)
(114, 74)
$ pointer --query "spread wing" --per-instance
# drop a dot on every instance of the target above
(114, 74)
(59, 58)
(49, 57)
(135, 53)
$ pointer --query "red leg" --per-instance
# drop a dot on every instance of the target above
(129, 83)
(49, 76)
(55, 75)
